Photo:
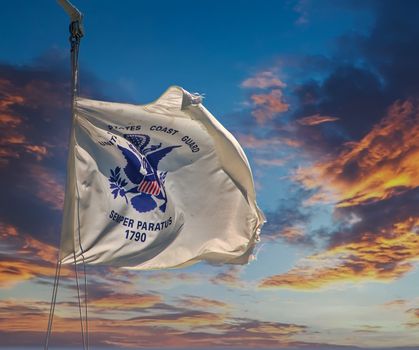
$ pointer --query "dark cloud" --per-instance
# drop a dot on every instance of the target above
(366, 74)
(288, 220)
(34, 131)
(375, 217)
(365, 163)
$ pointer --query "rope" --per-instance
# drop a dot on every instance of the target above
(53, 302)
(76, 34)
(80, 307)
(85, 303)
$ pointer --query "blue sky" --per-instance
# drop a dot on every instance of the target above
(322, 95)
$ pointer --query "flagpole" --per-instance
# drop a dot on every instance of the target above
(76, 33)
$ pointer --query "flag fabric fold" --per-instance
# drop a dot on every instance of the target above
(156, 186)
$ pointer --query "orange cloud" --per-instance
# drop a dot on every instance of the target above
(187, 328)
(41, 101)
(39, 151)
(9, 120)
(263, 80)
(13, 140)
(293, 234)
(9, 95)
(26, 258)
(7, 231)
(316, 120)
(13, 271)
(376, 257)
(382, 164)
(414, 315)
(119, 301)
(414, 312)
(11, 146)
(393, 303)
(202, 303)
(48, 188)
(268, 105)
(31, 259)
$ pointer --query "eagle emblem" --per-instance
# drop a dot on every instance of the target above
(147, 191)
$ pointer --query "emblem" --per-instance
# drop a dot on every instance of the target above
(147, 191)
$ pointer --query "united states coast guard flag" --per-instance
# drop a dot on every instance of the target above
(156, 186)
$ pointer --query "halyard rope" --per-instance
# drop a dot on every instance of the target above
(76, 34)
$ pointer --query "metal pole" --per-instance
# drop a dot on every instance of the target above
(76, 33)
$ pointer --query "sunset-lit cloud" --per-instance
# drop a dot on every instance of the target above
(13, 271)
(29, 318)
(395, 303)
(382, 164)
(202, 303)
(47, 187)
(293, 234)
(9, 120)
(13, 140)
(124, 301)
(263, 80)
(39, 151)
(378, 256)
(268, 105)
(229, 277)
(334, 153)
(268, 101)
(26, 258)
(413, 314)
(316, 119)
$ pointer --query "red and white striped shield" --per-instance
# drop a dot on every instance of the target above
(149, 187)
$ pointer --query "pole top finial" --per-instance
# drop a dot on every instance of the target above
(76, 18)
(72, 11)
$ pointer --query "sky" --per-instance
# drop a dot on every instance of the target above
(324, 98)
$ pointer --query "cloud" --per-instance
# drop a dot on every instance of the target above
(316, 119)
(289, 222)
(414, 318)
(24, 257)
(229, 277)
(123, 301)
(395, 303)
(268, 105)
(380, 165)
(46, 186)
(295, 234)
(28, 319)
(34, 129)
(269, 102)
(263, 80)
(365, 167)
(270, 162)
(266, 143)
(368, 329)
(202, 303)
(382, 256)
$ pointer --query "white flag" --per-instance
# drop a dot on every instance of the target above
(156, 186)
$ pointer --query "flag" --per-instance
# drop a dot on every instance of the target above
(156, 186)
